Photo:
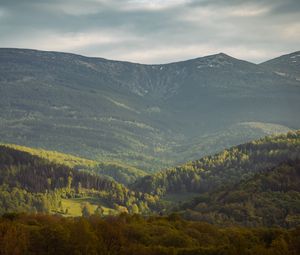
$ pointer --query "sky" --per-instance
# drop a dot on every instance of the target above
(153, 31)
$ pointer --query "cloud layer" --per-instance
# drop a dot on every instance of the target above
(153, 31)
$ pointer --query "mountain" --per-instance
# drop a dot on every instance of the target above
(287, 66)
(142, 115)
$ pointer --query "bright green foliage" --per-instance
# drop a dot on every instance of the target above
(14, 199)
(121, 173)
(254, 184)
(56, 157)
(33, 184)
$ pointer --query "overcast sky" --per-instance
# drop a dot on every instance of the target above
(153, 31)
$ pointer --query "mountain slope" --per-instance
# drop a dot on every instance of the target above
(121, 173)
(216, 141)
(32, 184)
(57, 101)
(286, 65)
(270, 199)
(225, 168)
(138, 114)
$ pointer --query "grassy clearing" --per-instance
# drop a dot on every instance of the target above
(74, 206)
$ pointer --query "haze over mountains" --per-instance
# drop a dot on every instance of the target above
(150, 116)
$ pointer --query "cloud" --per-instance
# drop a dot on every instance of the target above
(71, 41)
(153, 4)
(153, 31)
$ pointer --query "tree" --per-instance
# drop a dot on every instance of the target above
(134, 208)
(99, 211)
(86, 209)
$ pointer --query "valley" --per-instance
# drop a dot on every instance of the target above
(149, 127)
(108, 157)
(246, 180)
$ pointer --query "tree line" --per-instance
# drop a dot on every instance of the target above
(22, 234)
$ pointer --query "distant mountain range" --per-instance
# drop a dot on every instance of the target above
(149, 116)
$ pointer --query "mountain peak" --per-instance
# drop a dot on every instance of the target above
(285, 65)
(217, 56)
(215, 61)
(222, 54)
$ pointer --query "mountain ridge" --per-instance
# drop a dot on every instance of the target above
(118, 111)
(223, 54)
(24, 50)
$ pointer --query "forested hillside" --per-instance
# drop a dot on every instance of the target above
(253, 184)
(271, 198)
(32, 184)
(227, 167)
(122, 173)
